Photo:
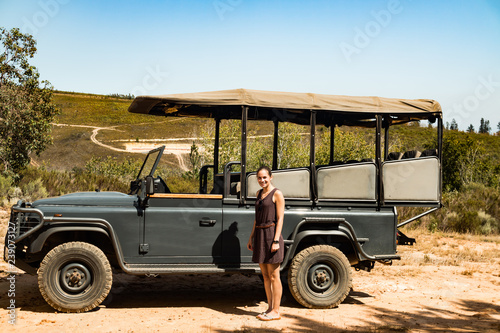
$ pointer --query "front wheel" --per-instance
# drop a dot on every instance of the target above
(75, 277)
(320, 277)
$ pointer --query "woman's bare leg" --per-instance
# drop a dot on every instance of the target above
(267, 286)
(273, 287)
(276, 288)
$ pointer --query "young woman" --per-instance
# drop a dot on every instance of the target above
(266, 241)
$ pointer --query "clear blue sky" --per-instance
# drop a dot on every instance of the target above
(445, 50)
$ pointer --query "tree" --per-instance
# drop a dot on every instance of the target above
(454, 125)
(470, 129)
(484, 127)
(26, 108)
(498, 127)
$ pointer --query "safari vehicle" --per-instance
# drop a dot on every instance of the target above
(337, 216)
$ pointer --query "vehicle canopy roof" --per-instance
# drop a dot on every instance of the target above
(288, 107)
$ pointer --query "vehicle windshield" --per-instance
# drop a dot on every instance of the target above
(150, 163)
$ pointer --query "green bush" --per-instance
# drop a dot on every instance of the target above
(474, 209)
(34, 190)
(58, 182)
(349, 145)
(111, 167)
(5, 185)
(466, 160)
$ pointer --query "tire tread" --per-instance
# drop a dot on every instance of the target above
(54, 254)
(294, 268)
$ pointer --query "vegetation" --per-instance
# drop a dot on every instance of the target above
(26, 108)
(484, 127)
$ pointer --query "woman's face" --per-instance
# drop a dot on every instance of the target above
(263, 178)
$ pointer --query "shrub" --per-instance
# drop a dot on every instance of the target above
(474, 209)
(111, 167)
(5, 184)
(34, 190)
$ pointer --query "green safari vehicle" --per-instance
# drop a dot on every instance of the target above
(337, 216)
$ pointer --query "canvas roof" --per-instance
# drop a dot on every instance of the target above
(226, 104)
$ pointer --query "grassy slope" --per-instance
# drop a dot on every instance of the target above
(72, 146)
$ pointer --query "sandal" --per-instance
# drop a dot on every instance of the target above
(267, 317)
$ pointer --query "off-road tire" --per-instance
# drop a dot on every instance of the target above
(320, 277)
(75, 277)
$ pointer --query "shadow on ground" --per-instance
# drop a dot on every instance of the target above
(233, 294)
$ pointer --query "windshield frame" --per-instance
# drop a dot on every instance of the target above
(152, 154)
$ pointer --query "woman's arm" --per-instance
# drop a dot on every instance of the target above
(250, 241)
(279, 200)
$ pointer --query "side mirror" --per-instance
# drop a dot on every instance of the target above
(150, 185)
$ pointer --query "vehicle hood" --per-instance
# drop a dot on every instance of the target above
(89, 199)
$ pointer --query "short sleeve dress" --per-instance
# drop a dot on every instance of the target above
(265, 229)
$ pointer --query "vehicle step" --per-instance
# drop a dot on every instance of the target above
(190, 268)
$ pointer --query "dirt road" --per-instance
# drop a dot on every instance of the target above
(442, 284)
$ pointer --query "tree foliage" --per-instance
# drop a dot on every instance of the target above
(454, 125)
(26, 108)
(466, 161)
(484, 127)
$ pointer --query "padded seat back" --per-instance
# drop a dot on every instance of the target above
(411, 154)
(412, 180)
(347, 182)
(293, 183)
(395, 155)
(429, 152)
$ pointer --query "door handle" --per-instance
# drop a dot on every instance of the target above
(206, 222)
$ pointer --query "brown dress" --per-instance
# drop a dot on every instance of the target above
(265, 228)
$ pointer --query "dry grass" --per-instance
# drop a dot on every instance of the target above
(450, 249)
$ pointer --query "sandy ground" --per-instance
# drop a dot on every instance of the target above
(444, 283)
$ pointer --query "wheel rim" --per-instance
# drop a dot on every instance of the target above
(74, 278)
(320, 278)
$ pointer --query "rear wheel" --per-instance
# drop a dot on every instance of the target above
(320, 277)
(75, 277)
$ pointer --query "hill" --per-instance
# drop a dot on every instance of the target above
(99, 126)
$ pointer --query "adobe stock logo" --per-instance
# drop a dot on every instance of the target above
(372, 29)
(48, 10)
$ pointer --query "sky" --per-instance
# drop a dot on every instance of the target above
(444, 50)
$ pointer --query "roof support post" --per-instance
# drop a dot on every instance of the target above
(386, 141)
(440, 136)
(440, 154)
(216, 146)
(313, 155)
(243, 188)
(378, 157)
(332, 143)
(275, 145)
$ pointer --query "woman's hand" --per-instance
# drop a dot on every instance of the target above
(249, 245)
(275, 247)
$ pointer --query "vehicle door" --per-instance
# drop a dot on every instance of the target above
(182, 228)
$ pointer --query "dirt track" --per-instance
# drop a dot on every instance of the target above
(442, 284)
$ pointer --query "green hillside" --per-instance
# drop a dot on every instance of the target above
(80, 114)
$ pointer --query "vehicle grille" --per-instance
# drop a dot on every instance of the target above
(24, 222)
